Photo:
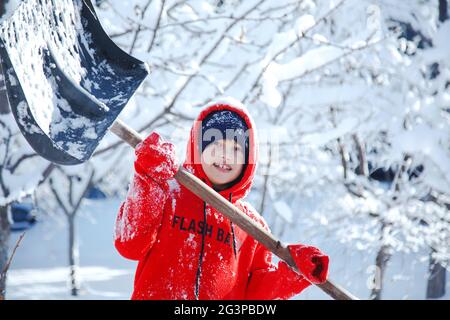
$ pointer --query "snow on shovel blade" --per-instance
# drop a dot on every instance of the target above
(66, 80)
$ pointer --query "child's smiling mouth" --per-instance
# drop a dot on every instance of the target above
(222, 167)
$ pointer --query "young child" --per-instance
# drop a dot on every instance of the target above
(187, 249)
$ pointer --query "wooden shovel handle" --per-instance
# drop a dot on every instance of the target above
(202, 190)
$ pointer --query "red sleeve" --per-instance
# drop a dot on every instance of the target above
(139, 218)
(268, 281)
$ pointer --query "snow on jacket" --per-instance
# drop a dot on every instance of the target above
(187, 249)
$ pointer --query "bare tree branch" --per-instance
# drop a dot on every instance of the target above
(8, 263)
(158, 21)
(139, 28)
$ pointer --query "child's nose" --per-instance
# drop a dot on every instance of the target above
(229, 155)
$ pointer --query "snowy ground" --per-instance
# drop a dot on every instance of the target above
(39, 268)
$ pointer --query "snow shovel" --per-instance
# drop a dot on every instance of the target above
(51, 51)
(66, 93)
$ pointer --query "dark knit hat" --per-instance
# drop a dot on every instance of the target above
(224, 124)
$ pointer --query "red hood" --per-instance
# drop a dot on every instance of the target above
(241, 188)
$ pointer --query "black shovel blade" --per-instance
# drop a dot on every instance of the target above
(66, 80)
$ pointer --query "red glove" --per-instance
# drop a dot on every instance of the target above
(311, 262)
(156, 158)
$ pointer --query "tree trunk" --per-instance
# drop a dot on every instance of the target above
(4, 245)
(2, 7)
(344, 158)
(266, 183)
(362, 169)
(381, 261)
(436, 279)
(73, 256)
(443, 10)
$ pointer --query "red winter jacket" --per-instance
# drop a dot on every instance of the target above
(188, 250)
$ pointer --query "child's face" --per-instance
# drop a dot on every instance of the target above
(222, 161)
